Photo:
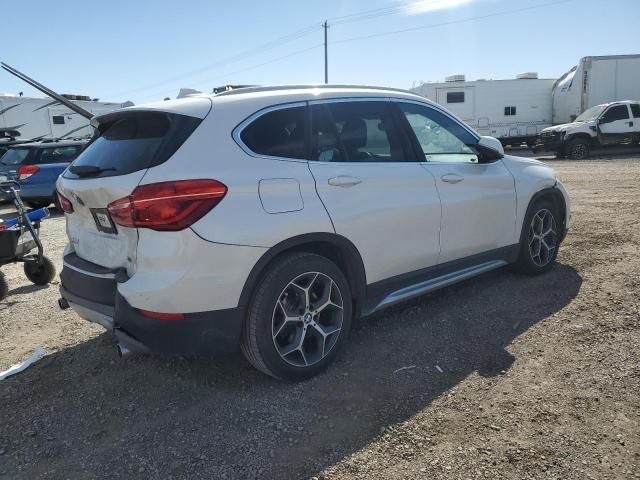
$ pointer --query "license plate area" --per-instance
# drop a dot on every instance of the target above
(103, 220)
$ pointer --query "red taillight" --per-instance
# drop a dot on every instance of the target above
(167, 206)
(64, 203)
(161, 316)
(25, 171)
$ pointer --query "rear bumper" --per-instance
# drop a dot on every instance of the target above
(92, 293)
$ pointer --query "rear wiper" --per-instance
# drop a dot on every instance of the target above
(89, 170)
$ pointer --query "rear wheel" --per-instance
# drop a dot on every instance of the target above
(40, 274)
(4, 287)
(299, 318)
(540, 239)
(578, 149)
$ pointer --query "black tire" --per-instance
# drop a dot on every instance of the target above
(274, 295)
(40, 274)
(578, 149)
(56, 203)
(4, 287)
(36, 205)
(527, 261)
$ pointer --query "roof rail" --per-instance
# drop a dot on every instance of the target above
(271, 88)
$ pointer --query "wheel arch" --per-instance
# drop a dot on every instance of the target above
(579, 135)
(335, 247)
(555, 196)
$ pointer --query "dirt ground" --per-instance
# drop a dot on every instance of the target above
(509, 377)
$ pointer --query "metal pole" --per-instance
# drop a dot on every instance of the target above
(326, 55)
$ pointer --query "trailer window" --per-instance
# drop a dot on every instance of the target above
(58, 119)
(455, 97)
(509, 111)
(635, 109)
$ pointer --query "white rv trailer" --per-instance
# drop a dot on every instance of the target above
(513, 110)
(45, 118)
(594, 81)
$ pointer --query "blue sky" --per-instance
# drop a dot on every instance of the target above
(146, 50)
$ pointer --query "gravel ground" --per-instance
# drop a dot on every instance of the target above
(509, 377)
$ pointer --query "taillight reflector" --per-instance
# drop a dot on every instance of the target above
(160, 315)
(25, 171)
(64, 203)
(167, 206)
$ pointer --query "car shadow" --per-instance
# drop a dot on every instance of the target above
(95, 415)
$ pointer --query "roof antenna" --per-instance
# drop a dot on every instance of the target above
(64, 101)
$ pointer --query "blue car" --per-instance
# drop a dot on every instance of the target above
(37, 166)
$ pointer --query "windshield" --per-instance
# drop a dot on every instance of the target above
(590, 113)
(14, 156)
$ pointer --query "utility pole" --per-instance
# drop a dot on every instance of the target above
(326, 54)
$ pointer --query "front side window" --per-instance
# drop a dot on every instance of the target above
(59, 154)
(455, 97)
(617, 112)
(441, 138)
(358, 131)
(279, 133)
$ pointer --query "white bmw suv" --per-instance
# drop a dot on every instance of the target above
(268, 218)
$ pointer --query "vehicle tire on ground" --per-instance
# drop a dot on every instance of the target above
(56, 203)
(40, 274)
(578, 149)
(37, 205)
(299, 317)
(4, 287)
(540, 238)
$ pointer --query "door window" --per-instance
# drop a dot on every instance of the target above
(617, 112)
(635, 109)
(279, 133)
(356, 132)
(59, 154)
(441, 138)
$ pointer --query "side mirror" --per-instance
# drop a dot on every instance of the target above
(492, 144)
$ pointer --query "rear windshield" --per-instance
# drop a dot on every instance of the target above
(15, 156)
(134, 141)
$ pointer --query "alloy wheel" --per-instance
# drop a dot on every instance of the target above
(578, 151)
(307, 319)
(542, 237)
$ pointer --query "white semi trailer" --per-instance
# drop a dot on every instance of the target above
(45, 118)
(595, 81)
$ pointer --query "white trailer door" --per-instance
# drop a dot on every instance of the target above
(458, 100)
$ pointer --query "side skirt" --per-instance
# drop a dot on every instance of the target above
(404, 287)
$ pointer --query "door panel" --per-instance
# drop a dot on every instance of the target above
(376, 193)
(478, 199)
(478, 207)
(616, 123)
(392, 215)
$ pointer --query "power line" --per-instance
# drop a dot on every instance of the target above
(451, 22)
(291, 37)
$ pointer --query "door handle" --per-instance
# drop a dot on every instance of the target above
(344, 181)
(631, 124)
(451, 178)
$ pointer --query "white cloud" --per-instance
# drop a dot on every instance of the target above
(418, 7)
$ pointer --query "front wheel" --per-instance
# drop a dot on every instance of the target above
(299, 318)
(540, 239)
(578, 149)
(4, 287)
(40, 274)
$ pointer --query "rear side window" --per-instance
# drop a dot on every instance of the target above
(16, 156)
(133, 141)
(356, 132)
(59, 154)
(635, 109)
(279, 133)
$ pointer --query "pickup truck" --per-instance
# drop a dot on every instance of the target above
(615, 123)
(37, 166)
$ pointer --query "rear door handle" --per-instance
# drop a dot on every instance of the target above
(451, 178)
(344, 181)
